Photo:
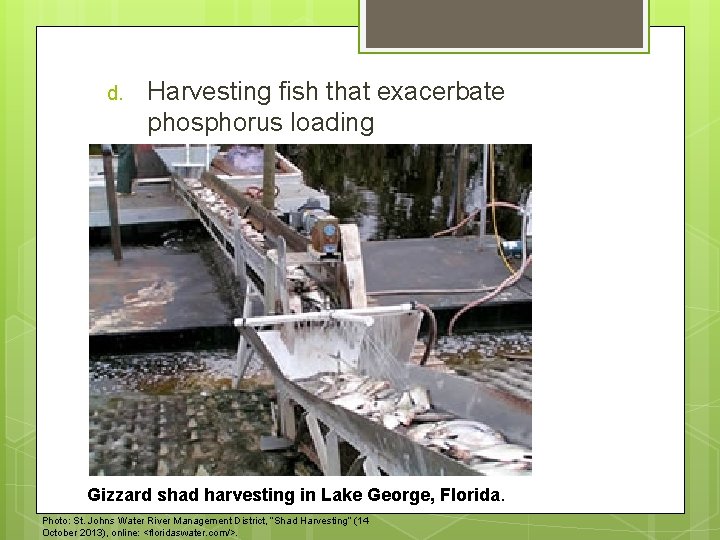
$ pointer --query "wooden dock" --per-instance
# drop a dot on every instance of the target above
(155, 299)
(440, 266)
(153, 203)
(159, 292)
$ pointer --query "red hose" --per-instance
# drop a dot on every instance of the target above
(472, 215)
(505, 284)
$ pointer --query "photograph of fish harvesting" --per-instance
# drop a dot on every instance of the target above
(310, 309)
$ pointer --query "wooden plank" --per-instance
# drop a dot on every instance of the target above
(352, 276)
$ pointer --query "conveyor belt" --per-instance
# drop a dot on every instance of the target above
(385, 450)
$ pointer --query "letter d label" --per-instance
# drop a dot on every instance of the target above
(113, 93)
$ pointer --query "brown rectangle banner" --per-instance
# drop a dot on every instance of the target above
(504, 24)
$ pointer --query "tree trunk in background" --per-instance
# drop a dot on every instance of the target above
(461, 182)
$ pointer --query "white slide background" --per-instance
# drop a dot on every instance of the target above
(607, 136)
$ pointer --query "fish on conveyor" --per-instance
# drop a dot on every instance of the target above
(405, 401)
(353, 402)
(383, 406)
(386, 393)
(420, 399)
(372, 386)
(328, 379)
(405, 416)
(505, 452)
(390, 421)
(314, 297)
(352, 386)
(328, 392)
(457, 451)
(192, 183)
(464, 436)
(473, 443)
(420, 433)
(471, 433)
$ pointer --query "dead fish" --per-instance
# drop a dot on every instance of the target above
(371, 386)
(313, 296)
(379, 387)
(405, 416)
(386, 393)
(473, 433)
(440, 444)
(352, 402)
(329, 392)
(295, 304)
(420, 432)
(439, 431)
(505, 452)
(420, 398)
(405, 401)
(459, 451)
(390, 421)
(351, 386)
(296, 274)
(383, 406)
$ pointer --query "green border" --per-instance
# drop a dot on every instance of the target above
(702, 236)
(649, 24)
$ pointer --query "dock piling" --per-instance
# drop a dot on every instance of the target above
(268, 198)
(112, 201)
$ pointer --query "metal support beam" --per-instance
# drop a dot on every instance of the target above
(360, 316)
(483, 196)
(318, 440)
(281, 276)
(286, 411)
(332, 445)
(245, 352)
(356, 465)
(327, 448)
(370, 467)
(270, 280)
(112, 202)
